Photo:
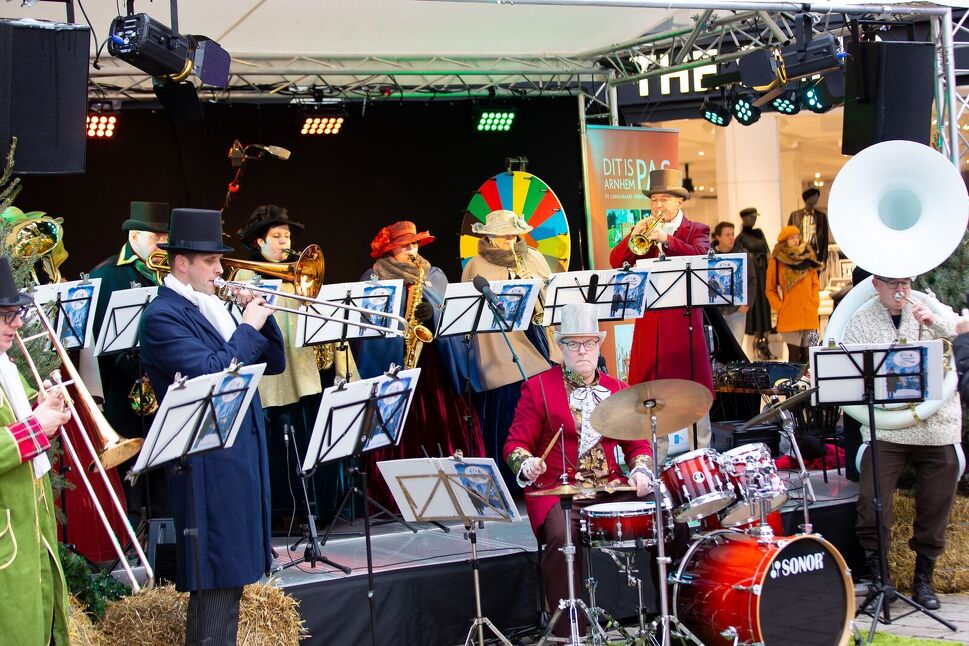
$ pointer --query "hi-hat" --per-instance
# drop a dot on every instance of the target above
(677, 403)
(771, 411)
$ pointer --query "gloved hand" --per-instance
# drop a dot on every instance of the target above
(532, 468)
(424, 312)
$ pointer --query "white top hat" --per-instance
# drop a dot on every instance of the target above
(579, 319)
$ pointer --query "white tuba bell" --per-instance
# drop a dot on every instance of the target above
(897, 209)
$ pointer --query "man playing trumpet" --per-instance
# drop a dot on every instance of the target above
(34, 610)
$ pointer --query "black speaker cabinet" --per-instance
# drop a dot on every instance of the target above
(43, 95)
(889, 89)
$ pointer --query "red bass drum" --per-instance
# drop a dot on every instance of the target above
(792, 591)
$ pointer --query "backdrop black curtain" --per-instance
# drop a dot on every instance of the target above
(392, 161)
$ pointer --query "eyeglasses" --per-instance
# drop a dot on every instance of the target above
(10, 316)
(897, 284)
(574, 346)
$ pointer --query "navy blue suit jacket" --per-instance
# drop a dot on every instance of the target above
(227, 488)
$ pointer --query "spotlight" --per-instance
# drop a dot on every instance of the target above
(787, 102)
(102, 121)
(716, 109)
(823, 94)
(322, 121)
(744, 109)
(495, 120)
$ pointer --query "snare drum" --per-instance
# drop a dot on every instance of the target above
(752, 472)
(696, 484)
(625, 525)
(794, 591)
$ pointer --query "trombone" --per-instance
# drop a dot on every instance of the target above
(225, 285)
(115, 445)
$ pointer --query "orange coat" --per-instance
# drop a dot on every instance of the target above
(797, 310)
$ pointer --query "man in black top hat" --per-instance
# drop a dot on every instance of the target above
(125, 394)
(224, 493)
(813, 224)
(758, 316)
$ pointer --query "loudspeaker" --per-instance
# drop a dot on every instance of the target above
(889, 88)
(161, 548)
(43, 82)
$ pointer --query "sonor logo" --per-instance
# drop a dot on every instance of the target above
(698, 476)
(797, 565)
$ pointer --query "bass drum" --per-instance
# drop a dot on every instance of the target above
(792, 591)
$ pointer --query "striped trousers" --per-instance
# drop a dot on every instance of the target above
(213, 617)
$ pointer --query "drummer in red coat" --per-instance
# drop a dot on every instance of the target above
(564, 397)
(661, 338)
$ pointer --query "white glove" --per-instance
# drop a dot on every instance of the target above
(532, 468)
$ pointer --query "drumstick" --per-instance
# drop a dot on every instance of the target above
(548, 449)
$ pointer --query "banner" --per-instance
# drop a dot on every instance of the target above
(617, 164)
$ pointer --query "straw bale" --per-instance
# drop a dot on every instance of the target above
(81, 631)
(952, 568)
(267, 617)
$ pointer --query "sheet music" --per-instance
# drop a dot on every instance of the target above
(71, 305)
(618, 294)
(379, 295)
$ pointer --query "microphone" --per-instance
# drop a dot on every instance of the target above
(482, 285)
(276, 151)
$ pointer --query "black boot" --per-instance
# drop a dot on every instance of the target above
(922, 591)
(874, 568)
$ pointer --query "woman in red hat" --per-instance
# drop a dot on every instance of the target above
(438, 417)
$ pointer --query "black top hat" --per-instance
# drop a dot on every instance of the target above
(808, 192)
(9, 294)
(749, 211)
(264, 217)
(148, 216)
(195, 230)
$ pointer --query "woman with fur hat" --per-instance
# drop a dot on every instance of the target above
(504, 254)
(794, 290)
(438, 417)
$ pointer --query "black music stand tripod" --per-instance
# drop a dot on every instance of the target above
(870, 368)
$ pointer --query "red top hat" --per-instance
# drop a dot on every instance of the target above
(398, 234)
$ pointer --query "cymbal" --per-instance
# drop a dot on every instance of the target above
(570, 491)
(678, 404)
(768, 414)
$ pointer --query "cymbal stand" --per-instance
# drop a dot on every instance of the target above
(573, 606)
(665, 619)
(787, 427)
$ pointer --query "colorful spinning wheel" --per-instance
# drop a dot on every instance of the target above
(531, 198)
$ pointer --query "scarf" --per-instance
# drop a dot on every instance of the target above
(797, 262)
(386, 268)
(669, 228)
(210, 305)
(583, 399)
(13, 390)
(502, 257)
(127, 256)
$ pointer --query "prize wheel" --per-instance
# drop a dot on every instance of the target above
(530, 197)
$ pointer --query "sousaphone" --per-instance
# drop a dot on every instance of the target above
(897, 209)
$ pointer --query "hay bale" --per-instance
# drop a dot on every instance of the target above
(267, 617)
(952, 568)
(81, 630)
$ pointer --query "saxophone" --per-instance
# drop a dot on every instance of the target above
(521, 269)
(417, 335)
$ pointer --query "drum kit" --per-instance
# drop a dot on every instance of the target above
(740, 581)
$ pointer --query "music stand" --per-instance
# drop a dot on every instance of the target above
(119, 329)
(197, 416)
(872, 374)
(619, 294)
(466, 489)
(686, 282)
(73, 303)
(354, 418)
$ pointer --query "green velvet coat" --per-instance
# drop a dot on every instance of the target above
(33, 591)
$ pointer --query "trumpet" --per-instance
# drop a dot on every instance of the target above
(225, 285)
(639, 243)
(114, 448)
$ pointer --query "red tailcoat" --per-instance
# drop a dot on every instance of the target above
(532, 430)
(661, 338)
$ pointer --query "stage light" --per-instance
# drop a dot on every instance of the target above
(716, 109)
(101, 125)
(744, 109)
(322, 121)
(787, 102)
(823, 94)
(495, 120)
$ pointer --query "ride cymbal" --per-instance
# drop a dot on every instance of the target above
(678, 403)
(768, 414)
